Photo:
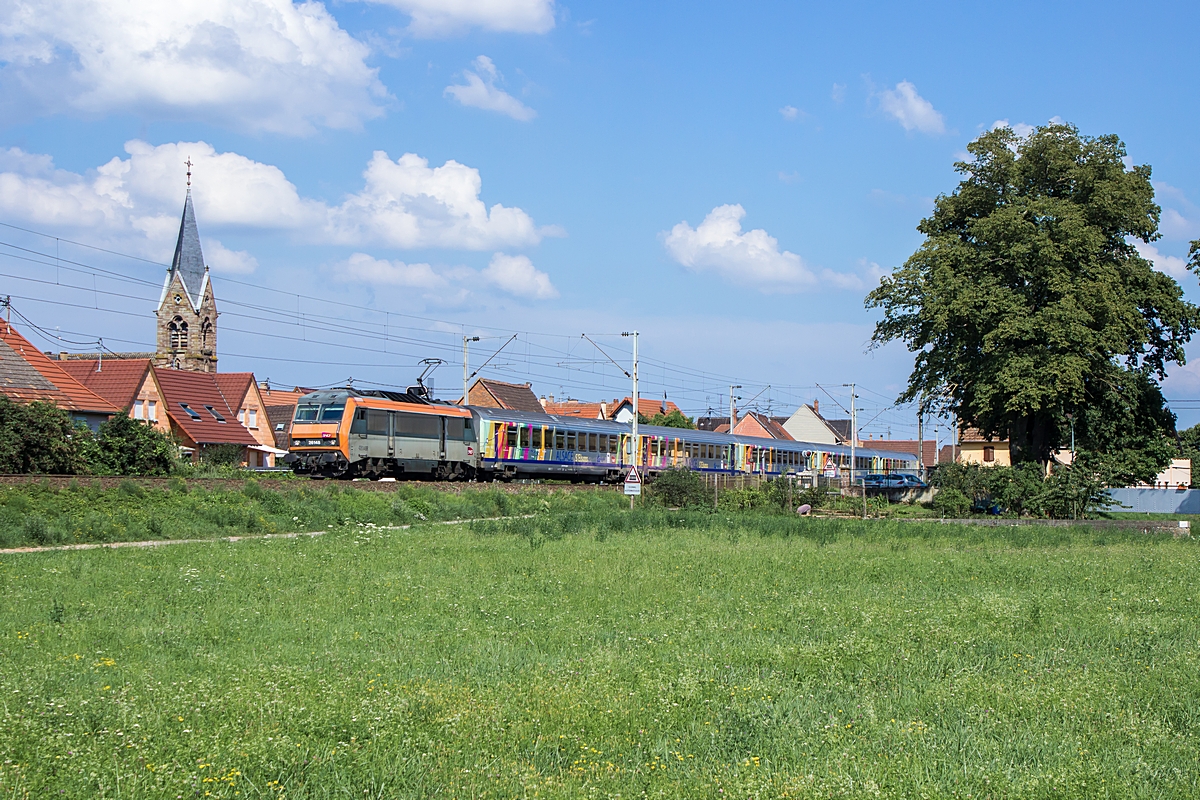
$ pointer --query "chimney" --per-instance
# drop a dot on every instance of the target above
(542, 400)
(603, 410)
(817, 407)
(62, 356)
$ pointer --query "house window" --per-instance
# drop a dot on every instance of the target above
(215, 414)
(242, 415)
(989, 454)
(151, 410)
(205, 333)
(191, 412)
(253, 415)
(137, 409)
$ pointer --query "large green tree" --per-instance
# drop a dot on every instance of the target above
(1028, 306)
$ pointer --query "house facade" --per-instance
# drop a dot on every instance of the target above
(807, 425)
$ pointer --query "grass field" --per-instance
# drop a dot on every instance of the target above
(589, 654)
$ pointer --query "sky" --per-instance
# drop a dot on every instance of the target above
(373, 181)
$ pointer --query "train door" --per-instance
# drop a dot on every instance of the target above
(391, 434)
(441, 438)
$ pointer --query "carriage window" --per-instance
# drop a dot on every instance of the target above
(511, 436)
(560, 440)
(613, 441)
(604, 443)
(591, 442)
(570, 440)
(537, 438)
(376, 422)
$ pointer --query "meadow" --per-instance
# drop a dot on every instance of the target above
(598, 653)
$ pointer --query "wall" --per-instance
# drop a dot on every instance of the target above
(1157, 501)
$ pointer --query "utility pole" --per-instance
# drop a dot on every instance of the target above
(466, 361)
(636, 448)
(853, 444)
(733, 408)
(920, 440)
(8, 308)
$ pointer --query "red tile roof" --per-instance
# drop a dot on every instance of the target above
(117, 380)
(575, 408)
(512, 396)
(753, 422)
(234, 386)
(901, 446)
(282, 397)
(26, 374)
(197, 390)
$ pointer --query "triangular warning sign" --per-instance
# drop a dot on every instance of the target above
(633, 476)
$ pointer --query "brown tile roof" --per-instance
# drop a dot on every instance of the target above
(513, 396)
(754, 420)
(117, 381)
(278, 415)
(26, 374)
(973, 435)
(197, 390)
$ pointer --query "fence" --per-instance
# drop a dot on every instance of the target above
(1156, 501)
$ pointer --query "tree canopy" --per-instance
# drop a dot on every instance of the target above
(1029, 307)
(675, 419)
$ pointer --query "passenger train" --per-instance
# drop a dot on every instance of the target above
(349, 433)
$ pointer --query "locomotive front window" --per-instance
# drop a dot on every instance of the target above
(332, 413)
(307, 412)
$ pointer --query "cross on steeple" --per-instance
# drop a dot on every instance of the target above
(189, 166)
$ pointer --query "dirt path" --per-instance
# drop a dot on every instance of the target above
(163, 542)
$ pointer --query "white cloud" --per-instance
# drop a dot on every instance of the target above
(445, 17)
(480, 91)
(753, 258)
(517, 275)
(228, 262)
(363, 268)
(1174, 266)
(137, 200)
(1021, 129)
(514, 275)
(408, 204)
(789, 112)
(838, 93)
(911, 110)
(1182, 221)
(257, 65)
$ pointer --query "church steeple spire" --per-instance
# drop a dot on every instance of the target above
(187, 313)
(189, 258)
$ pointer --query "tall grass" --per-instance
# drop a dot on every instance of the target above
(592, 653)
(40, 515)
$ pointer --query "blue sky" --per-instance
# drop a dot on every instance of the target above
(730, 179)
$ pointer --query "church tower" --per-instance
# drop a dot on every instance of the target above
(187, 312)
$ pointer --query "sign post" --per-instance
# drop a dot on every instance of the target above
(633, 485)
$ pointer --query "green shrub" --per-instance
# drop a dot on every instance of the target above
(951, 502)
(678, 488)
